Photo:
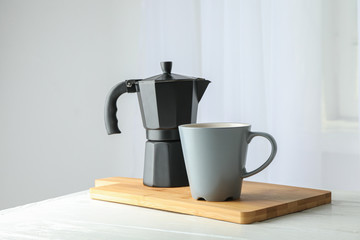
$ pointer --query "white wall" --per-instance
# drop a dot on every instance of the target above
(58, 60)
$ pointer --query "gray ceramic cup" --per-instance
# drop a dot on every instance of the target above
(215, 158)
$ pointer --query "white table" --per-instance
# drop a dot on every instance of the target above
(76, 216)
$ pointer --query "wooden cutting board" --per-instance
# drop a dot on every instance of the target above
(258, 202)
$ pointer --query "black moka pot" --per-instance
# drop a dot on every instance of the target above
(166, 101)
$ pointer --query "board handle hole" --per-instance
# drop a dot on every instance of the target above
(229, 199)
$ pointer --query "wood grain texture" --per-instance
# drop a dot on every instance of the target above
(258, 202)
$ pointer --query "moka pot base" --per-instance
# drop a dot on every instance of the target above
(164, 164)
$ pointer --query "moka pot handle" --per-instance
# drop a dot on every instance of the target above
(111, 122)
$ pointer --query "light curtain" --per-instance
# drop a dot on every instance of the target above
(264, 59)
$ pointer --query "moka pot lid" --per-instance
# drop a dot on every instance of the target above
(167, 76)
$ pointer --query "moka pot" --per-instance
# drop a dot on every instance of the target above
(166, 101)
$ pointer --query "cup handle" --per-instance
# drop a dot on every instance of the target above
(251, 135)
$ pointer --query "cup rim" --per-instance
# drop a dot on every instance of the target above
(215, 125)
